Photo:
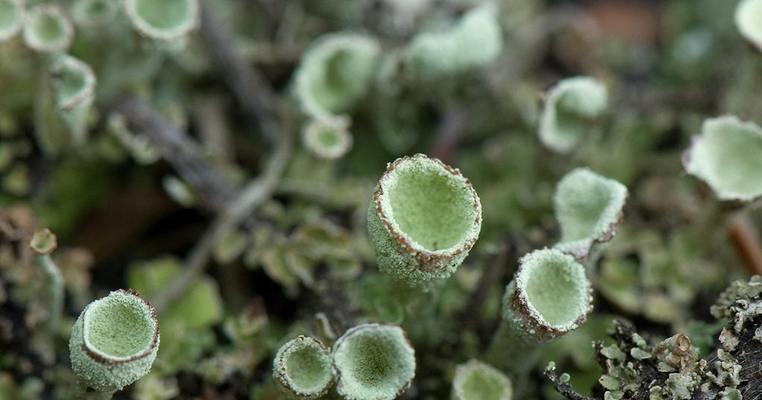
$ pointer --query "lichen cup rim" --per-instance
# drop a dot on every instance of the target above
(605, 228)
(518, 303)
(147, 29)
(88, 89)
(688, 158)
(352, 332)
(463, 371)
(29, 33)
(18, 23)
(281, 370)
(339, 124)
(740, 22)
(385, 213)
(548, 123)
(104, 358)
(319, 51)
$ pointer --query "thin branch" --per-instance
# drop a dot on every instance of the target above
(250, 89)
(181, 151)
(251, 196)
(448, 133)
(746, 242)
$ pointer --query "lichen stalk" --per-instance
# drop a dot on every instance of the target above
(43, 243)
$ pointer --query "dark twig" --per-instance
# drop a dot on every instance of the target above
(250, 89)
(181, 151)
(745, 240)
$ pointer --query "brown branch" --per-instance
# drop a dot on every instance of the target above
(746, 242)
(180, 150)
(250, 89)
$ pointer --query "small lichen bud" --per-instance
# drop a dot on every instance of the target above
(588, 207)
(748, 18)
(726, 155)
(571, 107)
(43, 242)
(164, 19)
(476, 380)
(114, 341)
(373, 362)
(303, 367)
(47, 29)
(11, 18)
(549, 296)
(328, 137)
(335, 72)
(423, 219)
(476, 40)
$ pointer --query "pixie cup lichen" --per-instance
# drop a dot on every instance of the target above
(335, 72)
(304, 368)
(476, 380)
(571, 107)
(588, 207)
(373, 362)
(423, 219)
(11, 18)
(47, 29)
(114, 341)
(727, 156)
(748, 18)
(74, 85)
(474, 41)
(163, 19)
(549, 296)
(327, 138)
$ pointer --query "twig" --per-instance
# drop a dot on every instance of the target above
(250, 89)
(179, 150)
(250, 197)
(746, 242)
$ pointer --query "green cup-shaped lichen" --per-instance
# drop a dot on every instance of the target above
(11, 18)
(549, 296)
(74, 82)
(588, 208)
(727, 156)
(47, 29)
(303, 367)
(476, 380)
(423, 219)
(475, 41)
(335, 72)
(570, 110)
(114, 341)
(749, 21)
(163, 19)
(373, 362)
(328, 137)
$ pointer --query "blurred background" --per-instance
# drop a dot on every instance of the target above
(142, 189)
